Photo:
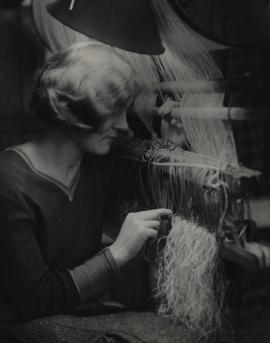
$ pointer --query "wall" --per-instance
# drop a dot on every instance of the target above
(21, 53)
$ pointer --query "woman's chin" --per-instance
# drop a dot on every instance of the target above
(102, 149)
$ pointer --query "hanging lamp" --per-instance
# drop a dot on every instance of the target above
(125, 24)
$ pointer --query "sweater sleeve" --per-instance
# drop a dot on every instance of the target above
(29, 286)
(95, 274)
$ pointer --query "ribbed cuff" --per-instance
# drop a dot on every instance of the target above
(95, 275)
(109, 257)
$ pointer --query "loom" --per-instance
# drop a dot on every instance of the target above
(200, 181)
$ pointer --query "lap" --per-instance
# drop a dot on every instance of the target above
(124, 327)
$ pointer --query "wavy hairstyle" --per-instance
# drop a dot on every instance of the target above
(82, 84)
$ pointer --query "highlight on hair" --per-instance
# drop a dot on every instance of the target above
(84, 83)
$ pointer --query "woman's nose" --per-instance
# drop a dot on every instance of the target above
(122, 124)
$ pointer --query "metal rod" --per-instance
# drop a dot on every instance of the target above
(208, 86)
(221, 113)
(193, 86)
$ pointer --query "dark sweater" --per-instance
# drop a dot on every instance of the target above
(48, 243)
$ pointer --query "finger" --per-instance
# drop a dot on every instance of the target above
(168, 98)
(163, 110)
(151, 233)
(173, 122)
(154, 214)
(167, 107)
(171, 104)
(152, 224)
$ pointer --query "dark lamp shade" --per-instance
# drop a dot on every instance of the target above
(125, 24)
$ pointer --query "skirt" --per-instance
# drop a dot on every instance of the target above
(123, 327)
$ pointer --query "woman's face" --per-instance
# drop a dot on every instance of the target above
(99, 142)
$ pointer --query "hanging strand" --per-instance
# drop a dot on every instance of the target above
(71, 6)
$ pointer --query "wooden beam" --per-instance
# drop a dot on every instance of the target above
(239, 256)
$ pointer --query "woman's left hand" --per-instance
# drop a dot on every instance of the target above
(171, 128)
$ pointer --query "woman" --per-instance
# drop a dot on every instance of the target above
(53, 190)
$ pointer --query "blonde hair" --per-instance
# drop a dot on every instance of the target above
(82, 84)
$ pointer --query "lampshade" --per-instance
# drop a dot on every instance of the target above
(125, 24)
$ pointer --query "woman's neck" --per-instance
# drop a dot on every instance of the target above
(54, 154)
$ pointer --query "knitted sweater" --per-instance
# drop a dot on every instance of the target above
(50, 239)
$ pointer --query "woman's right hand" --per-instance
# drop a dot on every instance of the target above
(135, 231)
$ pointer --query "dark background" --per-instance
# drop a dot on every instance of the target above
(21, 53)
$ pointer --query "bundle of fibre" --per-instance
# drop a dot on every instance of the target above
(186, 284)
(195, 186)
(164, 153)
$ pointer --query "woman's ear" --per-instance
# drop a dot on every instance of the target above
(84, 114)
